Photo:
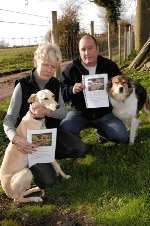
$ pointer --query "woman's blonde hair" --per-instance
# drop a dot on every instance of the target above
(47, 51)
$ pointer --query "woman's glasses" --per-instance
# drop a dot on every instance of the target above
(52, 66)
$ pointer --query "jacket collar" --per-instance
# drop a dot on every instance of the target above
(78, 64)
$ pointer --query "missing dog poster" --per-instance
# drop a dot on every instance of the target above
(95, 93)
(47, 144)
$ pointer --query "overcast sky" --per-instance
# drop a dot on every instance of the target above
(35, 26)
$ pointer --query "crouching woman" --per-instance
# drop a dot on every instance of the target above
(47, 58)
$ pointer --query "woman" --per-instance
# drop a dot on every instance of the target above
(47, 58)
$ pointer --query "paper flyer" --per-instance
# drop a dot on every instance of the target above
(95, 93)
(46, 151)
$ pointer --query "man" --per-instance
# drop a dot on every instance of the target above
(90, 62)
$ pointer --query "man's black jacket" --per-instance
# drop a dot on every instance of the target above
(73, 74)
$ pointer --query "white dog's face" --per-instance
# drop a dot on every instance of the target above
(44, 97)
(120, 87)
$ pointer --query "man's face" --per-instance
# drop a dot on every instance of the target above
(88, 51)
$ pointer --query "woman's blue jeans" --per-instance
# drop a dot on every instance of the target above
(108, 126)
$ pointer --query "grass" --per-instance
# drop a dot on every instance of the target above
(16, 59)
(109, 187)
(4, 105)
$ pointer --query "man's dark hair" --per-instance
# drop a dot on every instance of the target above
(89, 36)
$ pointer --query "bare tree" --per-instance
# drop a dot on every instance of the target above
(68, 30)
(112, 7)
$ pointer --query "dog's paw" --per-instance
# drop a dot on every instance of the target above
(131, 142)
(42, 193)
(37, 199)
(67, 177)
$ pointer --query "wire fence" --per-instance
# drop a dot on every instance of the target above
(16, 52)
(21, 28)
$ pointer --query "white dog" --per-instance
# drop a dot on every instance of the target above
(15, 176)
(128, 98)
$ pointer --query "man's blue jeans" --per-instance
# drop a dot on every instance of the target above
(108, 126)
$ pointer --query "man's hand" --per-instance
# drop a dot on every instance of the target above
(78, 87)
(38, 111)
(23, 146)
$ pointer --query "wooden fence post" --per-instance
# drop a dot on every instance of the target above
(109, 43)
(54, 32)
(54, 35)
(92, 28)
(119, 40)
(129, 44)
(127, 39)
(125, 42)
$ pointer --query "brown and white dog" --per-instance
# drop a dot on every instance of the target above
(15, 176)
(127, 98)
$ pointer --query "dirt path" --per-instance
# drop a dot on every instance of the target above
(7, 84)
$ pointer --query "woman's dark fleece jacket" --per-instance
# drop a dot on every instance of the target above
(29, 86)
(73, 74)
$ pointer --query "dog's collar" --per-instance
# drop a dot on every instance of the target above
(36, 118)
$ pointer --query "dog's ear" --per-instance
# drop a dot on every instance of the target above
(32, 98)
(109, 85)
(131, 83)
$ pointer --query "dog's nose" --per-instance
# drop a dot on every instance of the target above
(57, 106)
(121, 90)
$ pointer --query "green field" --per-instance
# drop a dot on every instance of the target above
(16, 59)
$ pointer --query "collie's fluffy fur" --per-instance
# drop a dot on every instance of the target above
(15, 176)
(127, 98)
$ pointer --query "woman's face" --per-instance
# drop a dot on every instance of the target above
(46, 69)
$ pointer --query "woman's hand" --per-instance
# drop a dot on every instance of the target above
(38, 111)
(23, 146)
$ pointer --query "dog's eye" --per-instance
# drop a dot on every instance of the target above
(46, 98)
(53, 96)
